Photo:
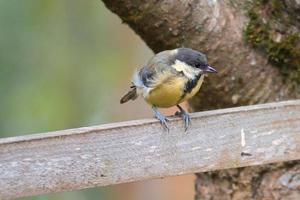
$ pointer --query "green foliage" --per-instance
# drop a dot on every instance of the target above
(263, 29)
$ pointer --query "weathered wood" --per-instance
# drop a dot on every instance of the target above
(138, 150)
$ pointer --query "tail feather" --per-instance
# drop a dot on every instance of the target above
(131, 95)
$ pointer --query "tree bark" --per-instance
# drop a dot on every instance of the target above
(265, 182)
(247, 72)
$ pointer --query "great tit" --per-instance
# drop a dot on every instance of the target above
(169, 78)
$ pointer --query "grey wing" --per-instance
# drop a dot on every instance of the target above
(155, 67)
(147, 76)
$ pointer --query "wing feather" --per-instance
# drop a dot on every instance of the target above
(157, 67)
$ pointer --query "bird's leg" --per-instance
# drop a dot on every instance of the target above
(163, 120)
(185, 116)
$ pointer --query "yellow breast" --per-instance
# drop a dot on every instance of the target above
(171, 92)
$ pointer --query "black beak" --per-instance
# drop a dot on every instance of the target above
(209, 69)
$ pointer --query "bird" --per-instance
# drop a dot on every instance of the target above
(169, 78)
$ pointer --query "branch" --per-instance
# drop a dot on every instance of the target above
(138, 150)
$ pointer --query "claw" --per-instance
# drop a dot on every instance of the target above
(185, 116)
(163, 120)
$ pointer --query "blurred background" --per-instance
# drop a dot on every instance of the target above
(63, 64)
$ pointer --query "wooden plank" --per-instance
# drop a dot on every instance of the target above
(137, 150)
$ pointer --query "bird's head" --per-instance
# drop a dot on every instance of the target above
(194, 59)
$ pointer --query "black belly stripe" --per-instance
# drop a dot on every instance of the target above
(189, 86)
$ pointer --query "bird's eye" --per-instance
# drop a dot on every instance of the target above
(199, 66)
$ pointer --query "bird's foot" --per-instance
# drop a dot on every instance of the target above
(163, 120)
(185, 116)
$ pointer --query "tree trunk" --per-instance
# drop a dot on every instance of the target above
(255, 46)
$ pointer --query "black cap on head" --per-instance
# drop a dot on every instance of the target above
(194, 58)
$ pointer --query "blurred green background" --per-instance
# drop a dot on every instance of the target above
(65, 64)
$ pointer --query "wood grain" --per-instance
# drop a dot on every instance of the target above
(137, 150)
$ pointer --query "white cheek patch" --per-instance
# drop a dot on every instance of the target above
(187, 70)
